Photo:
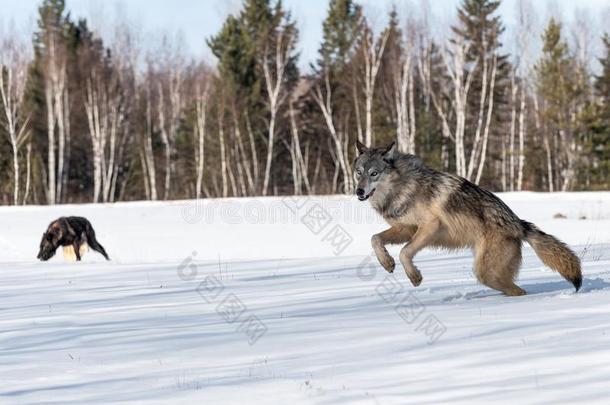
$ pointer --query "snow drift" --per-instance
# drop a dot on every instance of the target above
(278, 300)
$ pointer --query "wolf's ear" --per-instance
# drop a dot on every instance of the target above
(390, 152)
(361, 147)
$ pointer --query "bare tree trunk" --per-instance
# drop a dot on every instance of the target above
(12, 93)
(52, 181)
(474, 153)
(97, 132)
(513, 116)
(245, 161)
(411, 144)
(372, 63)
(67, 143)
(490, 108)
(522, 113)
(148, 149)
(461, 88)
(325, 104)
(201, 107)
(549, 162)
(525, 18)
(359, 131)
(547, 144)
(28, 172)
(253, 153)
(403, 96)
(145, 174)
(165, 141)
(51, 120)
(569, 147)
(58, 95)
(504, 163)
(239, 162)
(301, 163)
(231, 175)
(223, 156)
(275, 82)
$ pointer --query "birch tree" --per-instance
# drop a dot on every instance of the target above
(148, 157)
(170, 89)
(404, 85)
(461, 81)
(322, 94)
(104, 107)
(52, 48)
(522, 68)
(13, 75)
(372, 56)
(201, 105)
(274, 68)
(480, 27)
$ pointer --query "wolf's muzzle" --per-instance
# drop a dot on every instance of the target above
(361, 194)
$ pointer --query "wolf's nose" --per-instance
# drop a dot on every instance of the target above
(360, 192)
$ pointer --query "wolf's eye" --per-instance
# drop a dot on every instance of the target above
(359, 172)
(374, 174)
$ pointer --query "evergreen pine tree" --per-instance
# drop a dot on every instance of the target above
(240, 42)
(340, 32)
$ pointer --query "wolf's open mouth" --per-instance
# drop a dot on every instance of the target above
(366, 197)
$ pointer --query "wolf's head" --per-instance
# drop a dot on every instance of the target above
(372, 167)
(49, 243)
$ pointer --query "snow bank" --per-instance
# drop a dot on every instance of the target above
(251, 301)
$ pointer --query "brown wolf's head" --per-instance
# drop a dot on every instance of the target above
(50, 242)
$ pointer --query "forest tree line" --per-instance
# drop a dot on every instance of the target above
(82, 120)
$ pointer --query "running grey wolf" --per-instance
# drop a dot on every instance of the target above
(69, 231)
(425, 207)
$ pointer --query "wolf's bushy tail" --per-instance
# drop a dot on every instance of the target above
(554, 253)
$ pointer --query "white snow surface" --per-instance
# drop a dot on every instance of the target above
(255, 301)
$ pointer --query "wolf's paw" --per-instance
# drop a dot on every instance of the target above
(415, 277)
(387, 262)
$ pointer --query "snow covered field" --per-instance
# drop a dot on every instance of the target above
(277, 301)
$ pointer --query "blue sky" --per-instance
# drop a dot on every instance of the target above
(196, 20)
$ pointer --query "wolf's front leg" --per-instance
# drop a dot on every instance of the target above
(424, 236)
(76, 247)
(393, 235)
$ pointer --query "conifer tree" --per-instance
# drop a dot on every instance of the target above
(340, 32)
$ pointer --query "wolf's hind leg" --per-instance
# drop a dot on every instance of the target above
(425, 235)
(394, 235)
(94, 244)
(497, 263)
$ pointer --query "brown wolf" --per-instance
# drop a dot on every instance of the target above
(69, 231)
(425, 207)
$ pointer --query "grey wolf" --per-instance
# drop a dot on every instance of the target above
(69, 231)
(428, 208)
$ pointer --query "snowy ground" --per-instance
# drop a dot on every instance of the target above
(277, 301)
